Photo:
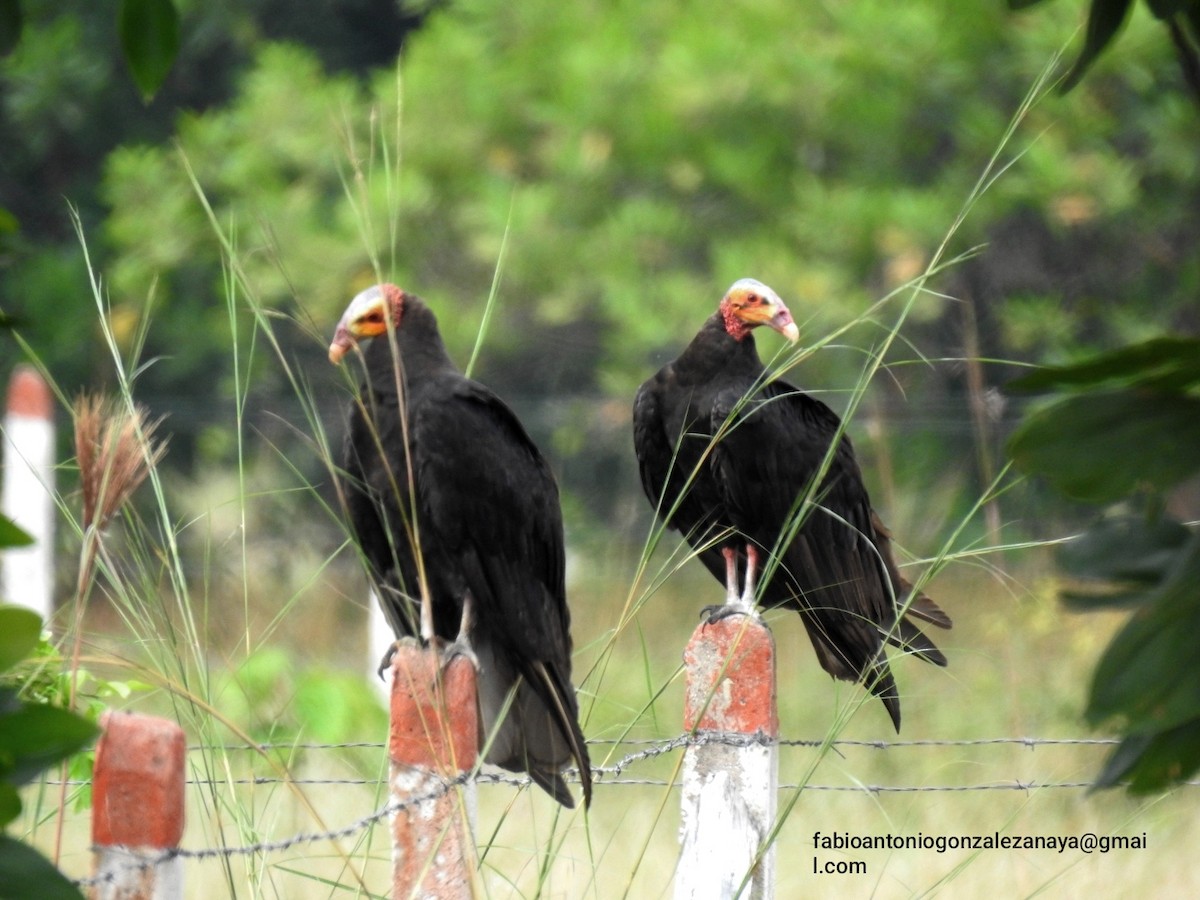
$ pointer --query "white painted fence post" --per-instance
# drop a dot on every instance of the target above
(28, 494)
(729, 786)
(137, 808)
(434, 739)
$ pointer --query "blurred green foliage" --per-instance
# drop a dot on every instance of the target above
(33, 736)
(275, 700)
(1106, 18)
(639, 159)
(636, 160)
(1125, 426)
(149, 32)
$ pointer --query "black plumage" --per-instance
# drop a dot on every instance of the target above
(739, 498)
(450, 499)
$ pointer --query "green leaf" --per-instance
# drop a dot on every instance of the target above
(1165, 9)
(20, 629)
(1104, 21)
(150, 38)
(1155, 761)
(1120, 559)
(10, 25)
(1100, 447)
(25, 873)
(82, 767)
(11, 535)
(1148, 674)
(10, 803)
(1023, 4)
(1165, 363)
(35, 737)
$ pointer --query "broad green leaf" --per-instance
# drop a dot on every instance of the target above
(1099, 447)
(10, 25)
(1084, 596)
(1165, 9)
(1104, 21)
(1120, 559)
(19, 632)
(1166, 363)
(150, 38)
(11, 535)
(1023, 4)
(1148, 675)
(1154, 761)
(35, 737)
(10, 803)
(25, 873)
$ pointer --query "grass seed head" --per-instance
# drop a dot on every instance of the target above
(115, 447)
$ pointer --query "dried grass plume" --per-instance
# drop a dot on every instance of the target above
(115, 448)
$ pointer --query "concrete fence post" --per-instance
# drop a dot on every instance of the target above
(729, 786)
(434, 739)
(137, 808)
(28, 494)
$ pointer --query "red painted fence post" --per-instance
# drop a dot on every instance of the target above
(434, 739)
(137, 808)
(729, 786)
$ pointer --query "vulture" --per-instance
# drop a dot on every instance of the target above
(457, 515)
(759, 478)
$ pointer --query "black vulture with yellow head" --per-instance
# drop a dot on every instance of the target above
(457, 514)
(737, 462)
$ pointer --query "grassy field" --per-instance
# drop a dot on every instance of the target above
(1019, 665)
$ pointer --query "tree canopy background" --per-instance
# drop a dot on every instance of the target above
(611, 169)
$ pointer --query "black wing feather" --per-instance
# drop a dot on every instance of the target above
(454, 491)
(822, 533)
(490, 519)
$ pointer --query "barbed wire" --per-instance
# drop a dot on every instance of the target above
(782, 742)
(654, 747)
(610, 775)
(141, 861)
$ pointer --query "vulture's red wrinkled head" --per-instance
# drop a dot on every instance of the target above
(367, 316)
(749, 303)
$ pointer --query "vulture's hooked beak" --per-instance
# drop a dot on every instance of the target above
(783, 323)
(343, 340)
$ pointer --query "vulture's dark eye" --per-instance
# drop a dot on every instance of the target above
(752, 299)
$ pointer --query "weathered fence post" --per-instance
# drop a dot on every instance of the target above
(28, 495)
(434, 739)
(729, 782)
(137, 808)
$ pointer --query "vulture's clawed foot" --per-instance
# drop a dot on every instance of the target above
(460, 647)
(462, 643)
(389, 655)
(386, 662)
